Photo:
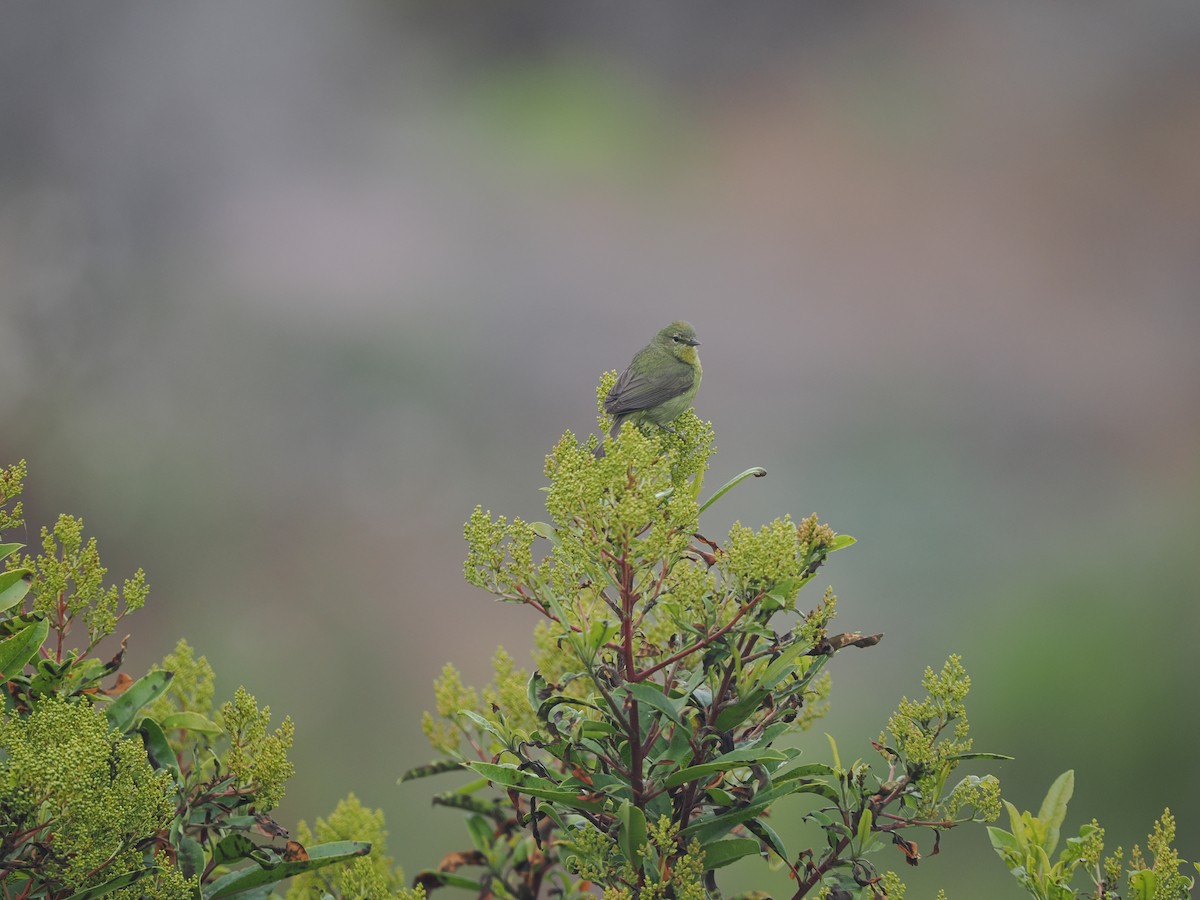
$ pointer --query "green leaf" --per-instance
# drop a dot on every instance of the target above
(837, 760)
(599, 633)
(233, 847)
(808, 770)
(1020, 832)
(841, 542)
(486, 724)
(732, 716)
(979, 754)
(7, 550)
(1006, 845)
(191, 856)
(1142, 884)
(1054, 807)
(533, 786)
(707, 828)
(755, 471)
(735, 759)
(14, 585)
(318, 857)
(544, 530)
(482, 833)
(632, 834)
(543, 711)
(722, 853)
(782, 666)
(652, 695)
(828, 791)
(437, 767)
(864, 830)
(114, 884)
(536, 688)
(17, 650)
(190, 721)
(158, 749)
(765, 833)
(122, 711)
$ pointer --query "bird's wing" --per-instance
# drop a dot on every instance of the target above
(634, 390)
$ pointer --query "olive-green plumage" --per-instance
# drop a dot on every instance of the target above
(660, 382)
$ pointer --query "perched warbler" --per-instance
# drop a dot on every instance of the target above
(660, 382)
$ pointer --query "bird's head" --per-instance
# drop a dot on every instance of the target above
(679, 339)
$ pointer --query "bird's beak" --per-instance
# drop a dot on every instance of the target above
(692, 343)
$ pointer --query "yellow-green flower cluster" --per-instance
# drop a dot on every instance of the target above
(366, 877)
(589, 852)
(12, 482)
(684, 880)
(94, 791)
(917, 730)
(758, 560)
(508, 693)
(505, 702)
(257, 757)
(685, 601)
(68, 573)
(981, 795)
(500, 556)
(816, 701)
(813, 536)
(817, 621)
(1167, 882)
(891, 885)
(450, 696)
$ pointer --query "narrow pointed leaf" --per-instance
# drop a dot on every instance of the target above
(652, 695)
(722, 853)
(735, 759)
(979, 754)
(1054, 807)
(864, 829)
(255, 877)
(534, 786)
(7, 550)
(755, 471)
(437, 767)
(765, 833)
(190, 721)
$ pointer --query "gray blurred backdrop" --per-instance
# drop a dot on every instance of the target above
(287, 288)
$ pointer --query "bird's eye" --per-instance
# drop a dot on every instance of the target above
(676, 338)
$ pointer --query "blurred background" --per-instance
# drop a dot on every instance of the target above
(287, 288)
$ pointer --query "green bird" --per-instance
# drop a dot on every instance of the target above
(660, 382)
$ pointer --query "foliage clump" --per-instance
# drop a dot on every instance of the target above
(121, 787)
(673, 675)
(77, 794)
(1028, 851)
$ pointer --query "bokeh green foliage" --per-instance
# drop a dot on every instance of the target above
(672, 677)
(112, 786)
